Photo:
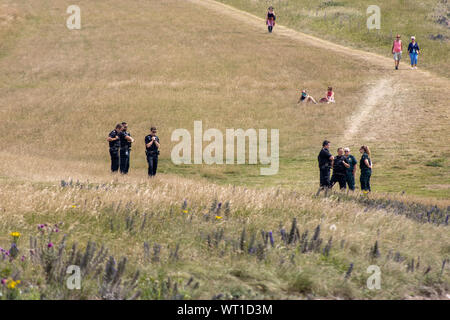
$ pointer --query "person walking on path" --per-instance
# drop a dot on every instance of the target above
(397, 50)
(366, 169)
(270, 19)
(413, 49)
(351, 170)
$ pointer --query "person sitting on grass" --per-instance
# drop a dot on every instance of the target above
(329, 96)
(305, 97)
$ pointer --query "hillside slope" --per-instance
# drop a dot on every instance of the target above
(223, 70)
(236, 234)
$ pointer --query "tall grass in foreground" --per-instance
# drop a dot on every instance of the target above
(178, 239)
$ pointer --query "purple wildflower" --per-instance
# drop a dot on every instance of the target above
(4, 281)
(271, 238)
(50, 245)
(22, 259)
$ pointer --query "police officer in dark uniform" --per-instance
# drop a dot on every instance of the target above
(350, 175)
(152, 151)
(366, 169)
(340, 166)
(125, 147)
(325, 159)
(114, 146)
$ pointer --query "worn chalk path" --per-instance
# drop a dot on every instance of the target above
(380, 94)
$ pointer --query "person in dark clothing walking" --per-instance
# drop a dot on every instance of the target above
(125, 147)
(152, 151)
(366, 169)
(270, 19)
(325, 160)
(340, 166)
(114, 146)
(351, 170)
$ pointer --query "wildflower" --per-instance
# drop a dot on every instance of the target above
(22, 259)
(50, 245)
(218, 217)
(185, 211)
(12, 284)
(349, 271)
(56, 230)
(3, 281)
(13, 251)
(272, 243)
(74, 206)
(15, 235)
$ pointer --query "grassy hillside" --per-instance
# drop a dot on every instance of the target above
(345, 22)
(220, 237)
(173, 62)
(226, 74)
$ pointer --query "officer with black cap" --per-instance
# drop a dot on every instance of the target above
(152, 151)
(325, 160)
(114, 146)
(125, 147)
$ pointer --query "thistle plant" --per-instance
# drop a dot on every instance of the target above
(14, 250)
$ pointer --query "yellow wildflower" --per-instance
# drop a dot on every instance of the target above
(15, 234)
(185, 211)
(218, 217)
(74, 206)
(12, 284)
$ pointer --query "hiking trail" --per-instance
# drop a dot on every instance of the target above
(380, 95)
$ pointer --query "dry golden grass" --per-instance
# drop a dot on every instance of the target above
(73, 86)
(88, 209)
(172, 62)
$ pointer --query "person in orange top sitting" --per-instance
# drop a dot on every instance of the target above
(329, 96)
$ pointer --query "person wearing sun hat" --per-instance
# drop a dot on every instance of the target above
(414, 51)
(397, 50)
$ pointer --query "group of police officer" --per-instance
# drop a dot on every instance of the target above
(120, 142)
(344, 168)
